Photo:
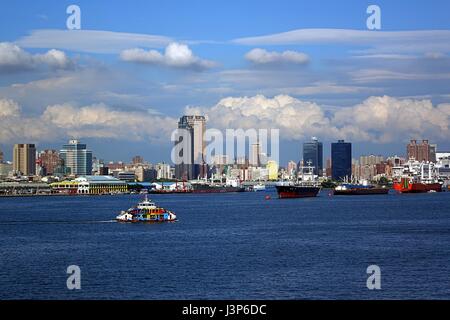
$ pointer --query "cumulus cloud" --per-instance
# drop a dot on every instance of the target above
(385, 119)
(261, 56)
(377, 119)
(92, 121)
(9, 108)
(14, 58)
(381, 119)
(175, 55)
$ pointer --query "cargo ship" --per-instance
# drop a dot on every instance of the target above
(204, 186)
(407, 185)
(417, 177)
(306, 185)
(359, 189)
(215, 188)
(146, 211)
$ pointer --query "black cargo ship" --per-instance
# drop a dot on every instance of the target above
(306, 185)
(297, 191)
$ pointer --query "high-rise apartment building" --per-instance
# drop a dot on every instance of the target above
(49, 160)
(24, 159)
(423, 151)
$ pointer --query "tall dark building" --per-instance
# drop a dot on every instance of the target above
(313, 154)
(341, 160)
(195, 166)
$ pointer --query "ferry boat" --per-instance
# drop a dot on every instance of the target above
(305, 186)
(146, 211)
(417, 177)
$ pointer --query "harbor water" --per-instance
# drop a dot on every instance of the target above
(227, 246)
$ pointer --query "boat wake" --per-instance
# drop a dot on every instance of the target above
(56, 222)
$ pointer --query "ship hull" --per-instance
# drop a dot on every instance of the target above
(291, 192)
(361, 192)
(217, 189)
(417, 187)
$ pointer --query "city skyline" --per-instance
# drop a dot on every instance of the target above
(121, 82)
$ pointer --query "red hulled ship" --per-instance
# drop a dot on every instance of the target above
(406, 185)
(417, 177)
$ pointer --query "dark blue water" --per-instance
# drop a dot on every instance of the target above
(228, 246)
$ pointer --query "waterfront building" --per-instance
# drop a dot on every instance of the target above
(341, 160)
(24, 159)
(48, 160)
(1, 156)
(423, 151)
(90, 185)
(77, 158)
(313, 155)
(195, 165)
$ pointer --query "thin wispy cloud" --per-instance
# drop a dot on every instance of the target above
(91, 41)
(389, 41)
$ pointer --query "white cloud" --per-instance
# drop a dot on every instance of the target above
(386, 119)
(261, 56)
(9, 108)
(374, 75)
(293, 117)
(101, 121)
(54, 58)
(175, 55)
(379, 41)
(14, 58)
(92, 121)
(92, 41)
(377, 119)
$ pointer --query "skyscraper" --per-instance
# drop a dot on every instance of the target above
(77, 158)
(49, 160)
(24, 159)
(1, 156)
(255, 159)
(313, 154)
(421, 152)
(195, 165)
(341, 160)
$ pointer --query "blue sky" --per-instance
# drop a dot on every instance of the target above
(121, 81)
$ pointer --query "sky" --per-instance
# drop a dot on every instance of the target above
(307, 68)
